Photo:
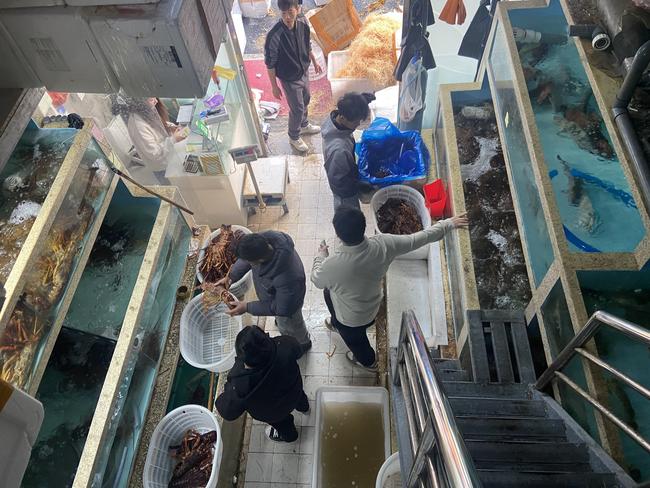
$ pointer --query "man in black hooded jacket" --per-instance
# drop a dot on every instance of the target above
(279, 278)
(265, 382)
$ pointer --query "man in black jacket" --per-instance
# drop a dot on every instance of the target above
(287, 54)
(279, 278)
(265, 382)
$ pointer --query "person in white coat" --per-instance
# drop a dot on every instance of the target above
(152, 138)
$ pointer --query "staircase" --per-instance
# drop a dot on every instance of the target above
(514, 435)
(514, 439)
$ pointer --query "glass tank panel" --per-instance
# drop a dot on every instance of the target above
(557, 320)
(48, 276)
(625, 294)
(591, 191)
(82, 354)
(26, 180)
(125, 426)
(499, 265)
(515, 145)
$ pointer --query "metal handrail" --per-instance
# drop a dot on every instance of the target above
(439, 442)
(575, 346)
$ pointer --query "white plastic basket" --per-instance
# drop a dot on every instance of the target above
(413, 197)
(239, 288)
(169, 432)
(389, 475)
(340, 86)
(207, 336)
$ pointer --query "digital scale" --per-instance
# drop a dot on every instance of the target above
(246, 155)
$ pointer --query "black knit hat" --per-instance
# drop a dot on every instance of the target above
(254, 346)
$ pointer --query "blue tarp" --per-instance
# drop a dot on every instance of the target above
(384, 149)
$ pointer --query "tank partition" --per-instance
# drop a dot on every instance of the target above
(114, 435)
(81, 356)
(627, 295)
(571, 182)
(486, 263)
(56, 187)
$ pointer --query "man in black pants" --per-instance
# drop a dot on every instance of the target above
(287, 54)
(352, 276)
(265, 382)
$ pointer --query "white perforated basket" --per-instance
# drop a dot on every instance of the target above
(413, 197)
(239, 288)
(169, 432)
(208, 335)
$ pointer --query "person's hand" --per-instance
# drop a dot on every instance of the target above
(323, 249)
(318, 68)
(225, 282)
(179, 134)
(276, 92)
(460, 221)
(236, 308)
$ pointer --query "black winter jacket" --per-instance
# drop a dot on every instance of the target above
(340, 162)
(280, 283)
(287, 50)
(269, 393)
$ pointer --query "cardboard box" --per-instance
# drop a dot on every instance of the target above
(336, 25)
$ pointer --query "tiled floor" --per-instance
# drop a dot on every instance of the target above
(273, 465)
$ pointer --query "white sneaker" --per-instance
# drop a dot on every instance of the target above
(310, 129)
(299, 145)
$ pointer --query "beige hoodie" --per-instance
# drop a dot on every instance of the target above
(354, 274)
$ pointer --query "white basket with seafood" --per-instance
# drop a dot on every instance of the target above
(217, 255)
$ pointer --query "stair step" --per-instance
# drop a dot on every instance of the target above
(453, 375)
(442, 363)
(500, 479)
(496, 407)
(490, 429)
(489, 390)
(515, 452)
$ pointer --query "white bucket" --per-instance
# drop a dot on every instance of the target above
(238, 288)
(389, 475)
(207, 336)
(413, 197)
(169, 432)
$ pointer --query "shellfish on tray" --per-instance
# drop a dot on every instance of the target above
(194, 455)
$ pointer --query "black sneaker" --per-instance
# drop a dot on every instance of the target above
(273, 434)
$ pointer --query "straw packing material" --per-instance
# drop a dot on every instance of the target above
(371, 54)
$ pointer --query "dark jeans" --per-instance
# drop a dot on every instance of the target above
(285, 427)
(354, 337)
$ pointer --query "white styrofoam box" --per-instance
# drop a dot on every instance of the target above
(340, 86)
(159, 465)
(254, 9)
(16, 72)
(389, 475)
(165, 50)
(346, 394)
(385, 103)
(407, 288)
(60, 48)
(20, 421)
(413, 197)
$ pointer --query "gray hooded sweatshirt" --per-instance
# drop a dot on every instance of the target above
(340, 163)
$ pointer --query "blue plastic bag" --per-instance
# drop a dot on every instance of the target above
(388, 156)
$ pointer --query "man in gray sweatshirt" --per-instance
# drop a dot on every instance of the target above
(338, 147)
(352, 277)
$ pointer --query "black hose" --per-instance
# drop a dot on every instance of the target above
(624, 123)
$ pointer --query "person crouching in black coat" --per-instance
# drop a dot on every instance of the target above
(265, 382)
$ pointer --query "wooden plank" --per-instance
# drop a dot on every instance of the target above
(501, 352)
(478, 352)
(522, 352)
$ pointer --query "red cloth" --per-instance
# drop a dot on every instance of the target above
(321, 91)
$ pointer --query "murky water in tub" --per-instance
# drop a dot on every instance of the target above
(352, 445)
(591, 191)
